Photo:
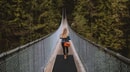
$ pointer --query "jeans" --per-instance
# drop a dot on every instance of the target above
(65, 48)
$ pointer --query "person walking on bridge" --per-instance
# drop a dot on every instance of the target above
(65, 42)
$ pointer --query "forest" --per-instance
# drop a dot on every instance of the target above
(23, 21)
(105, 22)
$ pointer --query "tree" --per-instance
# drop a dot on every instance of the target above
(104, 22)
(24, 21)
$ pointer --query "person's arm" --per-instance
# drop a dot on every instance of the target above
(68, 38)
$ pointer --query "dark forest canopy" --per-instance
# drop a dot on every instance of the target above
(22, 21)
(105, 22)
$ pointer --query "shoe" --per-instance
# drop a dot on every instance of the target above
(65, 57)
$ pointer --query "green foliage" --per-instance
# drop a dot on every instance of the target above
(104, 22)
(23, 21)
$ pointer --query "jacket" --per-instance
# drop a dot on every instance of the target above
(65, 39)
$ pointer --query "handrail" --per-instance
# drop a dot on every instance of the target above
(23, 46)
(36, 54)
(31, 57)
(27, 44)
(117, 55)
(96, 58)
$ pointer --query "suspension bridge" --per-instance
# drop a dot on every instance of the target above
(45, 55)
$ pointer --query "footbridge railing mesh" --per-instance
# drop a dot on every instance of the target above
(98, 59)
(31, 57)
(34, 56)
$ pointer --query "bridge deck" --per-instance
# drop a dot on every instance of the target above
(62, 65)
(58, 51)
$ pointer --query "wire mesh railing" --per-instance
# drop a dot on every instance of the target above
(31, 57)
(34, 56)
(98, 59)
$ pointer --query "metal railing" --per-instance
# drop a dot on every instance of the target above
(98, 59)
(31, 57)
(34, 56)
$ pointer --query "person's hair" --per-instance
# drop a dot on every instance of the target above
(64, 33)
